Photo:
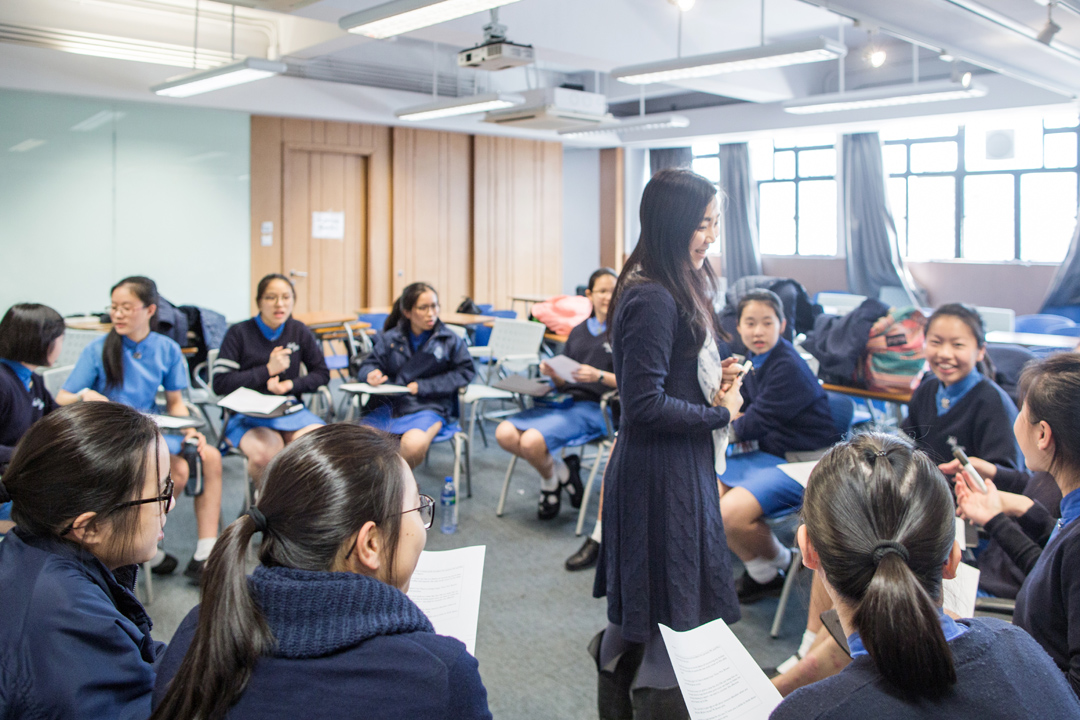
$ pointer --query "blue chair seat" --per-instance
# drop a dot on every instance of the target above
(1042, 324)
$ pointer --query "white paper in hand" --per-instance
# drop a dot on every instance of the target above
(564, 367)
(173, 422)
(718, 678)
(798, 471)
(384, 389)
(959, 593)
(446, 586)
(249, 402)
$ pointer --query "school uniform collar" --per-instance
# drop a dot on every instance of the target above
(1070, 510)
(759, 360)
(949, 627)
(417, 341)
(947, 397)
(594, 326)
(271, 334)
(137, 348)
(25, 374)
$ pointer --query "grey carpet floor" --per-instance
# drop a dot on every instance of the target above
(535, 617)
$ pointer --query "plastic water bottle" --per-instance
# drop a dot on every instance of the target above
(448, 500)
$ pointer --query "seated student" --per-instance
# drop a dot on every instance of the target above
(31, 336)
(127, 366)
(324, 619)
(90, 489)
(879, 531)
(264, 354)
(785, 410)
(416, 350)
(539, 433)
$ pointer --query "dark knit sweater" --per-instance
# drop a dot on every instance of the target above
(1001, 673)
(1048, 605)
(19, 409)
(245, 351)
(348, 646)
(981, 422)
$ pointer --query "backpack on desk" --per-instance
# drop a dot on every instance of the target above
(894, 359)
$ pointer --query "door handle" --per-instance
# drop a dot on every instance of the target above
(297, 273)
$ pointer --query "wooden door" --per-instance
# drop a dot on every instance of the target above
(326, 270)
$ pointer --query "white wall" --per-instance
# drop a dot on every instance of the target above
(581, 216)
(153, 190)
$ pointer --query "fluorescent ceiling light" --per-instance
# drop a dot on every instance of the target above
(402, 16)
(640, 123)
(460, 106)
(105, 117)
(752, 58)
(224, 76)
(936, 91)
(1019, 27)
(26, 145)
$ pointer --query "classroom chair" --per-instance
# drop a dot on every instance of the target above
(1009, 361)
(1073, 331)
(895, 296)
(483, 332)
(998, 319)
(838, 303)
(1071, 312)
(55, 377)
(1042, 324)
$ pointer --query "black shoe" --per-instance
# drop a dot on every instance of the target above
(750, 590)
(550, 500)
(194, 570)
(166, 566)
(613, 685)
(585, 557)
(574, 489)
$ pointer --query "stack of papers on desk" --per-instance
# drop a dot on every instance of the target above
(384, 389)
(249, 402)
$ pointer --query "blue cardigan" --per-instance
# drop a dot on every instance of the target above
(74, 641)
(348, 646)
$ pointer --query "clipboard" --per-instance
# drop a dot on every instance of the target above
(249, 402)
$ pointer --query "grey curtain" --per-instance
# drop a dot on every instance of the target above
(1065, 289)
(741, 254)
(663, 158)
(873, 256)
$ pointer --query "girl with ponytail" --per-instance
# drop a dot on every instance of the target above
(324, 621)
(880, 533)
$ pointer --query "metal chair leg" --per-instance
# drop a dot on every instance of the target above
(506, 485)
(789, 582)
(588, 487)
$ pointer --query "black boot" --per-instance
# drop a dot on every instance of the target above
(613, 686)
(659, 704)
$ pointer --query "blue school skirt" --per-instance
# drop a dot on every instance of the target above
(240, 424)
(576, 424)
(382, 418)
(757, 473)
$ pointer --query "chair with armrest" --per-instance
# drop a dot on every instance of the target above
(514, 346)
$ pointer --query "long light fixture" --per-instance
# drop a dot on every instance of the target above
(753, 58)
(402, 16)
(460, 106)
(935, 91)
(223, 76)
(639, 123)
(1007, 22)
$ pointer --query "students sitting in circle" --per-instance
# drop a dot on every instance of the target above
(417, 351)
(324, 621)
(879, 531)
(785, 410)
(127, 366)
(264, 354)
(537, 434)
(90, 488)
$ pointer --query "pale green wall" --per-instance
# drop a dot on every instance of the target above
(156, 190)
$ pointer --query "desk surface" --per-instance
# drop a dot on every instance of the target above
(530, 298)
(324, 317)
(555, 338)
(456, 318)
(1032, 339)
(383, 310)
(328, 329)
(87, 324)
(871, 394)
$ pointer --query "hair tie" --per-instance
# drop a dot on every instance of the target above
(258, 518)
(885, 547)
(881, 453)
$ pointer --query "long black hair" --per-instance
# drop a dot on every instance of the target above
(970, 317)
(880, 515)
(112, 356)
(27, 332)
(597, 274)
(406, 301)
(86, 457)
(1051, 390)
(672, 206)
(318, 493)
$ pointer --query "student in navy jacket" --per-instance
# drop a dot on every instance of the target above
(785, 410)
(879, 530)
(264, 354)
(324, 623)
(31, 336)
(417, 351)
(90, 489)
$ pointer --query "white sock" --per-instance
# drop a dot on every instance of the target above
(203, 548)
(561, 471)
(762, 570)
(808, 638)
(596, 531)
(158, 558)
(788, 664)
(549, 484)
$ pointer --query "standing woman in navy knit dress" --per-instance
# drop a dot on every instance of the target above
(664, 556)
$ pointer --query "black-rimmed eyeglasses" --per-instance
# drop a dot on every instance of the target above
(166, 500)
(426, 509)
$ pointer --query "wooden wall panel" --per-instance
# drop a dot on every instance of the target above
(517, 232)
(432, 212)
(265, 198)
(612, 208)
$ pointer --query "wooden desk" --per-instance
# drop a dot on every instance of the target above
(324, 317)
(82, 324)
(1065, 342)
(528, 300)
(900, 399)
(384, 310)
(354, 325)
(555, 338)
(456, 318)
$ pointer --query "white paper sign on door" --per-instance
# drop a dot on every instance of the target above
(328, 225)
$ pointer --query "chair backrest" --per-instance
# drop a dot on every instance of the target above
(842, 408)
(74, 342)
(836, 303)
(483, 332)
(515, 337)
(1008, 361)
(995, 318)
(1042, 323)
(55, 377)
(459, 331)
(377, 320)
(894, 296)
(1073, 331)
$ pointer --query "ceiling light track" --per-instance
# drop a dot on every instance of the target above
(1017, 27)
(641, 123)
(402, 16)
(890, 96)
(110, 46)
(460, 106)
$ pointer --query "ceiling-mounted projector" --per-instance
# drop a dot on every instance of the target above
(496, 52)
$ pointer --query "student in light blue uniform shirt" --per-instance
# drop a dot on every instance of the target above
(127, 366)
